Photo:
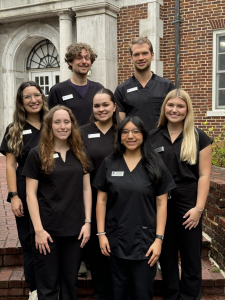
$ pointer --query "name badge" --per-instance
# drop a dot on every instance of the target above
(160, 149)
(67, 97)
(117, 173)
(55, 155)
(132, 90)
(28, 131)
(94, 135)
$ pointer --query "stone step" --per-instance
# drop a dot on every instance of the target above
(12, 283)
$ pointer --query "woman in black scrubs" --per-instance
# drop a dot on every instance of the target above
(59, 202)
(100, 138)
(20, 137)
(131, 211)
(186, 150)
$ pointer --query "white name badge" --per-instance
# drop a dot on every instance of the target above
(117, 173)
(67, 97)
(160, 149)
(132, 90)
(94, 135)
(55, 155)
(28, 131)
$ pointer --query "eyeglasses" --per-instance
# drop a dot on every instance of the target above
(36, 96)
(135, 131)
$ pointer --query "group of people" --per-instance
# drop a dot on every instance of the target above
(124, 176)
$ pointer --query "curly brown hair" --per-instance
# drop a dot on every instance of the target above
(15, 140)
(46, 142)
(75, 49)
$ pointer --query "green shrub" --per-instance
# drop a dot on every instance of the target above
(218, 145)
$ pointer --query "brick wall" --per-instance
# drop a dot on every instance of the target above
(196, 50)
(127, 29)
(214, 220)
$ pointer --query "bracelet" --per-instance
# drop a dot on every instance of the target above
(87, 221)
(199, 210)
(100, 233)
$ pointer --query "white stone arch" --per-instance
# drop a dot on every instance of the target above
(14, 58)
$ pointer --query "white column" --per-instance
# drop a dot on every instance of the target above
(97, 26)
(65, 31)
(152, 27)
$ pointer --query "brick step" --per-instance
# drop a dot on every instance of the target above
(11, 252)
(12, 283)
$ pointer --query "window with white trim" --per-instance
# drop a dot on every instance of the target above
(218, 100)
(220, 71)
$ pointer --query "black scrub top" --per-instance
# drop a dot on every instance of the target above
(64, 93)
(181, 171)
(30, 140)
(98, 146)
(131, 207)
(145, 102)
(59, 194)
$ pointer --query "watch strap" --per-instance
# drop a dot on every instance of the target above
(161, 237)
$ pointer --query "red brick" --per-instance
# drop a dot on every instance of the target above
(16, 278)
(12, 292)
(222, 222)
(4, 277)
(13, 260)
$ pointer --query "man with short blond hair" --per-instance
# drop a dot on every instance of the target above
(77, 92)
(142, 94)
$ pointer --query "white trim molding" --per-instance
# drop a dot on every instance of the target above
(216, 111)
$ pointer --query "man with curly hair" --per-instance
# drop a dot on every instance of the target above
(77, 92)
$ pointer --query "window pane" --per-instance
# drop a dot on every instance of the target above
(221, 95)
(46, 90)
(221, 62)
(37, 80)
(46, 80)
(41, 80)
(221, 81)
(221, 44)
(57, 79)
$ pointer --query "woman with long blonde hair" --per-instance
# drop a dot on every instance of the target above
(186, 150)
(20, 137)
(59, 202)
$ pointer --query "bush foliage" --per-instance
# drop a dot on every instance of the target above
(218, 145)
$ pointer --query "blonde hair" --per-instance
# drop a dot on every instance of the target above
(189, 146)
(46, 142)
(15, 134)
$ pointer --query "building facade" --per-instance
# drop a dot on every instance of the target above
(34, 35)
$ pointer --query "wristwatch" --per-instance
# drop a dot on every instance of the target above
(12, 194)
(161, 237)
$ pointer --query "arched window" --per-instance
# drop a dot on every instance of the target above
(43, 55)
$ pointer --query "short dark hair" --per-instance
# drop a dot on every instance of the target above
(75, 49)
(141, 40)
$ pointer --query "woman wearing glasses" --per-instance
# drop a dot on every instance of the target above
(20, 137)
(131, 211)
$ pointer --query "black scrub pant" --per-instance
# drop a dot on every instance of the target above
(132, 279)
(100, 268)
(190, 244)
(23, 228)
(57, 271)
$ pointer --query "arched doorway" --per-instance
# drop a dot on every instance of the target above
(14, 62)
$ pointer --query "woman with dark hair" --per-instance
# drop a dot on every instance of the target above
(20, 137)
(186, 150)
(100, 137)
(131, 211)
(59, 202)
